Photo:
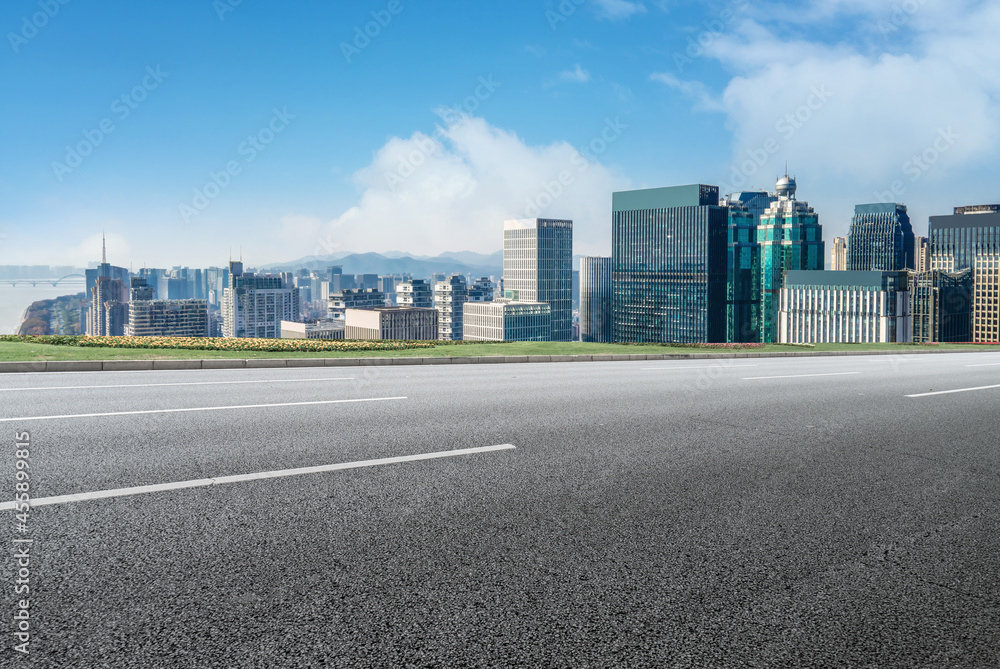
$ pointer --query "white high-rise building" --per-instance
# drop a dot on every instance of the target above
(253, 306)
(450, 297)
(538, 267)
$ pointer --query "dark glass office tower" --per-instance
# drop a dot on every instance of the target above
(941, 306)
(669, 249)
(790, 238)
(595, 300)
(743, 277)
(970, 239)
(880, 239)
(956, 240)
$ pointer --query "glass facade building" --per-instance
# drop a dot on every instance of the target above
(538, 267)
(880, 239)
(970, 239)
(669, 265)
(791, 239)
(743, 277)
(941, 305)
(595, 300)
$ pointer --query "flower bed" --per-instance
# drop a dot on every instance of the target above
(227, 344)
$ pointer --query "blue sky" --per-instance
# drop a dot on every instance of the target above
(250, 124)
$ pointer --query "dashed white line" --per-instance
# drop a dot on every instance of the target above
(243, 478)
(950, 392)
(164, 385)
(226, 408)
(798, 376)
(720, 366)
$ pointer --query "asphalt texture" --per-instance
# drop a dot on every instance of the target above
(653, 514)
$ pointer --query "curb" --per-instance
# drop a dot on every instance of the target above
(275, 363)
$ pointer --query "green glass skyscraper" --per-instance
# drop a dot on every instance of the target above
(790, 238)
(669, 275)
(743, 276)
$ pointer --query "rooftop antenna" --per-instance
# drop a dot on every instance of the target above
(104, 250)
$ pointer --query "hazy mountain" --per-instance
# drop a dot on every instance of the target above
(377, 263)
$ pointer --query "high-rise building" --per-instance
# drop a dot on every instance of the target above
(394, 323)
(366, 281)
(507, 320)
(838, 255)
(941, 306)
(481, 290)
(141, 290)
(922, 254)
(253, 306)
(742, 276)
(970, 239)
(415, 293)
(450, 297)
(880, 239)
(341, 301)
(844, 307)
(791, 239)
(669, 253)
(596, 319)
(538, 267)
(109, 297)
(168, 318)
(986, 297)
(756, 202)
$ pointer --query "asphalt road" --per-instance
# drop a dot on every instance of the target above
(650, 514)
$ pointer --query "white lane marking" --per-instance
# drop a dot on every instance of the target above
(949, 392)
(163, 385)
(238, 406)
(242, 478)
(798, 376)
(989, 364)
(722, 366)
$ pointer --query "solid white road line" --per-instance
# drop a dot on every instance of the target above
(242, 478)
(238, 406)
(164, 385)
(949, 392)
(798, 376)
(719, 366)
(989, 364)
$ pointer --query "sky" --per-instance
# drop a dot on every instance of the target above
(191, 129)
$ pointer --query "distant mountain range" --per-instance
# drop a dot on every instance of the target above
(396, 262)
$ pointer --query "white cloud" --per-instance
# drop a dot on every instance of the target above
(851, 119)
(615, 10)
(427, 194)
(693, 90)
(577, 74)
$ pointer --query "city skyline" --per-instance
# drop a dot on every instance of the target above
(259, 149)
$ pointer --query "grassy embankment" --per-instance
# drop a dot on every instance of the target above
(26, 351)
